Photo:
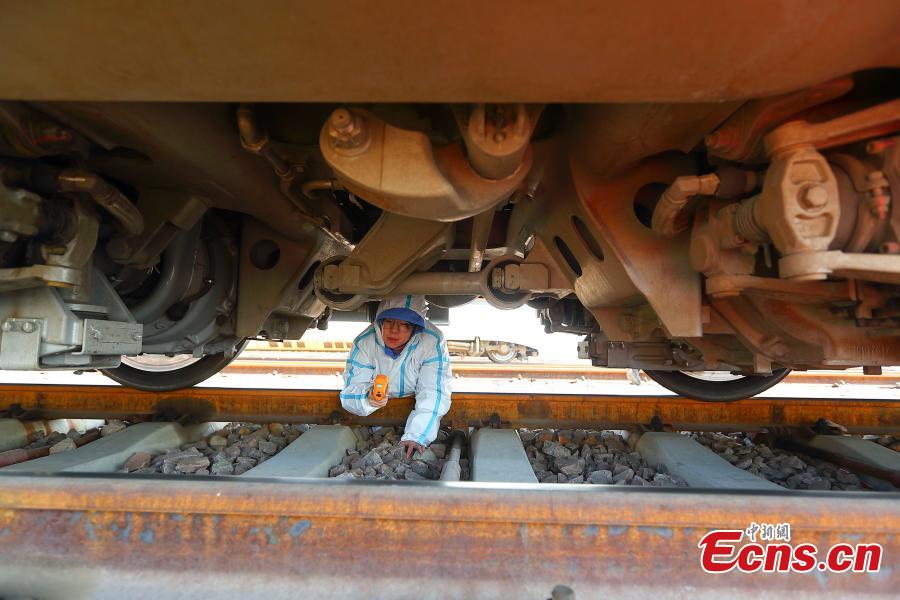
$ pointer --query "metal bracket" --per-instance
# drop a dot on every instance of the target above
(391, 250)
(459, 425)
(655, 424)
(401, 172)
(494, 421)
(825, 427)
(15, 411)
(111, 337)
(37, 276)
(336, 418)
(20, 344)
(883, 268)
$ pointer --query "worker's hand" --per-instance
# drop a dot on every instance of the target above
(411, 447)
(375, 402)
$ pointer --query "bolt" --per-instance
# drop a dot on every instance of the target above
(7, 326)
(7, 236)
(136, 337)
(499, 137)
(342, 121)
(347, 130)
(27, 326)
(813, 196)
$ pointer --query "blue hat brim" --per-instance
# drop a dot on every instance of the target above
(402, 314)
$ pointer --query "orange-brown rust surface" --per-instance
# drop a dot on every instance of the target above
(470, 51)
(531, 370)
(463, 535)
(516, 410)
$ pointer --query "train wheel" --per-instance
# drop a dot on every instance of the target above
(154, 373)
(716, 386)
(498, 356)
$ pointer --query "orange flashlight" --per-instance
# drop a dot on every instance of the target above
(380, 387)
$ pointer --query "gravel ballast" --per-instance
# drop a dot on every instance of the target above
(888, 441)
(233, 450)
(379, 456)
(592, 457)
(64, 442)
(787, 469)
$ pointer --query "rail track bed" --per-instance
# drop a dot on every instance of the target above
(110, 492)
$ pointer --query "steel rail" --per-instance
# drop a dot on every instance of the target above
(472, 409)
(306, 366)
(144, 536)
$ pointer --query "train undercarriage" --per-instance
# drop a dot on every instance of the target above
(749, 231)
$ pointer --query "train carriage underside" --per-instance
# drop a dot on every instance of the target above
(683, 191)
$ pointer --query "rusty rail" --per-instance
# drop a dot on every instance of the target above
(307, 366)
(515, 410)
(137, 536)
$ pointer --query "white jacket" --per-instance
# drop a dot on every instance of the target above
(422, 368)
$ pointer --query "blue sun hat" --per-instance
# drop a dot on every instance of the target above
(406, 307)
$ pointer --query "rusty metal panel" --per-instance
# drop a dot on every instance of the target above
(139, 534)
(447, 51)
(513, 410)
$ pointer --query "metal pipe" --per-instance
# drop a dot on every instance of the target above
(316, 185)
(665, 216)
(453, 284)
(13, 457)
(451, 470)
(256, 141)
(19, 455)
(106, 195)
(15, 433)
(481, 230)
(174, 278)
(203, 311)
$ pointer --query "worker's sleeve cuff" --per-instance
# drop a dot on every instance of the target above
(410, 437)
(368, 407)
